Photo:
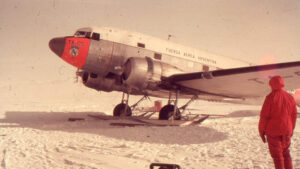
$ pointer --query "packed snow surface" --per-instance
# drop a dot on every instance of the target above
(37, 134)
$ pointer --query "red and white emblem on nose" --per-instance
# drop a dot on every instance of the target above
(74, 51)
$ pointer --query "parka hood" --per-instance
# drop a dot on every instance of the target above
(276, 83)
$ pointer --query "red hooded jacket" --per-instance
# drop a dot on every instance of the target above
(279, 113)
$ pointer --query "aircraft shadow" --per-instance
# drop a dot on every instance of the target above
(244, 113)
(58, 121)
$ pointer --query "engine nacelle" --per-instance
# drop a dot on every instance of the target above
(100, 83)
(145, 73)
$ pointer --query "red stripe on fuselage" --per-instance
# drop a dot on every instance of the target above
(76, 51)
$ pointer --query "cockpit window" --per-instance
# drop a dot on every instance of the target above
(88, 35)
(82, 34)
(96, 36)
(79, 34)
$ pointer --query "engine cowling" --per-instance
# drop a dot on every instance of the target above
(145, 73)
(94, 81)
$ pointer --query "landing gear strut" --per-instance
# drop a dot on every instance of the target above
(123, 109)
(169, 110)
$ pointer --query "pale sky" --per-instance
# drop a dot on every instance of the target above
(246, 29)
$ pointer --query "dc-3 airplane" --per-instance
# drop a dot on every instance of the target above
(110, 59)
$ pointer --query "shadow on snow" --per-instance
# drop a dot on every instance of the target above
(161, 135)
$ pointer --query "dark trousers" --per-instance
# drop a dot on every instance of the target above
(279, 150)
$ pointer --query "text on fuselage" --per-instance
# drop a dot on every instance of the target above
(189, 55)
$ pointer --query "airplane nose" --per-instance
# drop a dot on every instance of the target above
(73, 50)
(57, 45)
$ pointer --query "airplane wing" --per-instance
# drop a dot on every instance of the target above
(241, 83)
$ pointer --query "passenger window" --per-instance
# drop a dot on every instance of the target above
(141, 45)
(96, 36)
(157, 56)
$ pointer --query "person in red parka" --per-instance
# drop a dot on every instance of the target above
(277, 121)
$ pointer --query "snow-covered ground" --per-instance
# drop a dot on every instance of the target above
(36, 133)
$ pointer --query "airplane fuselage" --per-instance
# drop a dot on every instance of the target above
(118, 60)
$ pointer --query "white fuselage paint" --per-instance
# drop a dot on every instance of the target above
(186, 58)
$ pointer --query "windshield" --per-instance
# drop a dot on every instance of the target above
(82, 34)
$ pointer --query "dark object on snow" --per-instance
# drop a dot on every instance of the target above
(164, 166)
(75, 119)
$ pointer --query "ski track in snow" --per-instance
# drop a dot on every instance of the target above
(48, 140)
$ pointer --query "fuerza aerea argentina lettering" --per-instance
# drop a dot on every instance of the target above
(173, 51)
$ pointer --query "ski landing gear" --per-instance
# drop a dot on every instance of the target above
(170, 111)
(123, 109)
(167, 112)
